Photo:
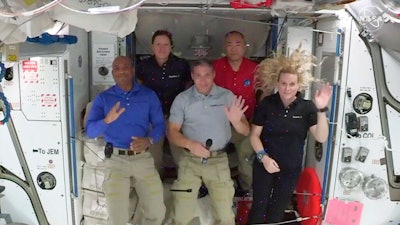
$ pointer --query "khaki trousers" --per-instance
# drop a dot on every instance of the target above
(116, 187)
(216, 176)
(244, 152)
(157, 151)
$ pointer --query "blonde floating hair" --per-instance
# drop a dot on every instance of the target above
(297, 63)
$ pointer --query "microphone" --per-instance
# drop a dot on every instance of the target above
(209, 142)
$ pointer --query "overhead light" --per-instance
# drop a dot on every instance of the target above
(201, 42)
(392, 5)
(104, 9)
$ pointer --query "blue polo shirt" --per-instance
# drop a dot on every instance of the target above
(167, 80)
(142, 112)
(285, 128)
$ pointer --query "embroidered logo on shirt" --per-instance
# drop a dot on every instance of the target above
(246, 83)
(297, 117)
(216, 105)
(174, 76)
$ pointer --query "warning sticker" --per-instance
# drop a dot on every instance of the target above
(49, 100)
(30, 71)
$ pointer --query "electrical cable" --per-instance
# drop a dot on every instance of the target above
(6, 107)
(3, 71)
(89, 148)
(3, 100)
(298, 219)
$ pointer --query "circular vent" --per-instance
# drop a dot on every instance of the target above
(350, 178)
(374, 187)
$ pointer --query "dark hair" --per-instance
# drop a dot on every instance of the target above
(162, 33)
(201, 62)
(234, 32)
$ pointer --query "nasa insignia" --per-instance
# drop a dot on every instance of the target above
(246, 83)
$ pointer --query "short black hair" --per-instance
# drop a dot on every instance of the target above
(162, 33)
(234, 32)
(201, 62)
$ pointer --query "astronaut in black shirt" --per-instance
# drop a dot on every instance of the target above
(280, 126)
(167, 75)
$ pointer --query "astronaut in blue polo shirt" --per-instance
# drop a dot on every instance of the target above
(123, 114)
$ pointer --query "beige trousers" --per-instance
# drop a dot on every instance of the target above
(216, 176)
(116, 187)
(157, 151)
(244, 152)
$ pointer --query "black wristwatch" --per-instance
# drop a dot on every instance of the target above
(260, 155)
(325, 109)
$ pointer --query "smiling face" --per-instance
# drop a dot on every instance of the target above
(235, 46)
(161, 47)
(123, 72)
(288, 85)
(203, 77)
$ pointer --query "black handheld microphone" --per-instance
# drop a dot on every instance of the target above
(209, 142)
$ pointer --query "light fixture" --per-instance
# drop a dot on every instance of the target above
(392, 5)
(201, 42)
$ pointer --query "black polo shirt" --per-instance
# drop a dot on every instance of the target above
(167, 80)
(285, 129)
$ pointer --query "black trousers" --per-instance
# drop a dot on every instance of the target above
(271, 193)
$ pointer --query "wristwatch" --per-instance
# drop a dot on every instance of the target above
(325, 109)
(260, 155)
(151, 140)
